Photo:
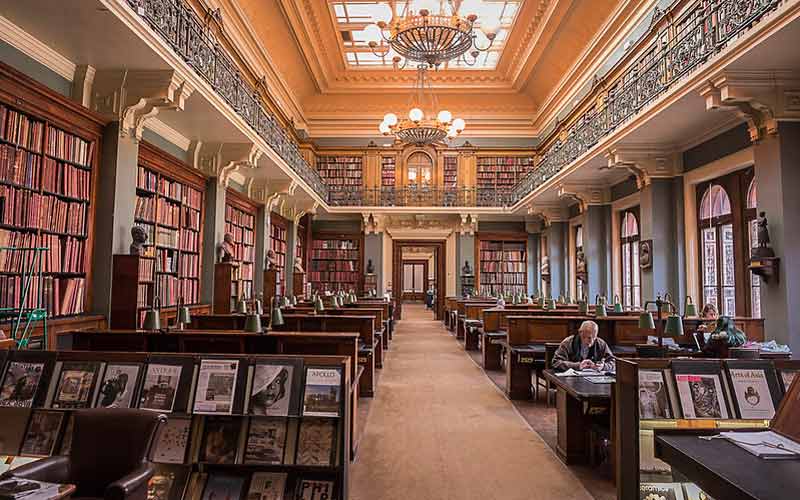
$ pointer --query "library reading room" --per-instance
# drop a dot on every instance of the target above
(399, 249)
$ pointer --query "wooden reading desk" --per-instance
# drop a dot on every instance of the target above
(726, 471)
(579, 403)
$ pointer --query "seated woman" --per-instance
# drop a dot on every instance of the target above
(710, 315)
(584, 351)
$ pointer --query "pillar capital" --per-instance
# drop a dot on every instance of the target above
(134, 96)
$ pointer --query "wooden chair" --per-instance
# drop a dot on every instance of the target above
(550, 349)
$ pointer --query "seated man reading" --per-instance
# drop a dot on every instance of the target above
(584, 351)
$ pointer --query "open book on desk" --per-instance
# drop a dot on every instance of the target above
(582, 373)
(764, 444)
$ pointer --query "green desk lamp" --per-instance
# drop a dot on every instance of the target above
(319, 306)
(618, 305)
(275, 316)
(583, 306)
(258, 304)
(241, 306)
(183, 317)
(600, 306)
(152, 317)
(674, 323)
(689, 308)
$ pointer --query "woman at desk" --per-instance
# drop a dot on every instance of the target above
(584, 351)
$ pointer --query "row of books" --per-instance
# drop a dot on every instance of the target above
(450, 172)
(166, 260)
(189, 265)
(65, 146)
(500, 267)
(334, 254)
(239, 217)
(191, 218)
(166, 237)
(66, 179)
(19, 167)
(319, 276)
(65, 255)
(143, 295)
(146, 269)
(146, 179)
(505, 255)
(746, 389)
(246, 271)
(192, 198)
(388, 171)
(489, 290)
(60, 296)
(19, 129)
(503, 278)
(145, 209)
(168, 213)
(240, 234)
(335, 244)
(19, 207)
(173, 384)
(61, 254)
(333, 265)
(341, 181)
(168, 289)
(170, 189)
(190, 241)
(190, 288)
(64, 217)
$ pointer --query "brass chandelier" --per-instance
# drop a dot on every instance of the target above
(418, 129)
(432, 32)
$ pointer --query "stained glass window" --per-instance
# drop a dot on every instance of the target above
(580, 264)
(717, 246)
(631, 272)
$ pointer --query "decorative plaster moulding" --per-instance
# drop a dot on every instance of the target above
(36, 50)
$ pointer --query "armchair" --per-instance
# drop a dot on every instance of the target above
(108, 458)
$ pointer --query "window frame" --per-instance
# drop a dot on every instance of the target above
(627, 299)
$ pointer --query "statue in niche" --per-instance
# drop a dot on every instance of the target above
(370, 267)
(763, 249)
(580, 263)
(225, 249)
(272, 260)
(545, 268)
(139, 236)
(298, 265)
(466, 270)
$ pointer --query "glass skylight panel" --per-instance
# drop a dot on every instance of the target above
(353, 16)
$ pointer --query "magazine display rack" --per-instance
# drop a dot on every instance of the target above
(687, 395)
(266, 426)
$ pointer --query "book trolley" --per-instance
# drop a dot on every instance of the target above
(695, 396)
(237, 424)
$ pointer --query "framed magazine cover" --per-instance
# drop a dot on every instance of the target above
(25, 378)
(219, 382)
(119, 387)
(275, 388)
(166, 385)
(44, 428)
(76, 384)
(654, 400)
(701, 390)
(755, 388)
(317, 439)
(322, 391)
(266, 442)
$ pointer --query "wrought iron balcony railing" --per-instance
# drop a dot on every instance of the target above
(704, 29)
(190, 38)
(412, 196)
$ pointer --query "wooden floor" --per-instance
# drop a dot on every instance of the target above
(438, 429)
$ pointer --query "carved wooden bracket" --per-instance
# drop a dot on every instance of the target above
(220, 160)
(469, 224)
(134, 96)
(548, 213)
(645, 162)
(584, 195)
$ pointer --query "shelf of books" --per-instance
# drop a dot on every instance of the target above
(502, 265)
(388, 171)
(700, 396)
(240, 222)
(501, 173)
(278, 228)
(49, 152)
(291, 446)
(169, 207)
(342, 174)
(336, 262)
(450, 172)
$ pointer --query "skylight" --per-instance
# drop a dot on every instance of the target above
(353, 16)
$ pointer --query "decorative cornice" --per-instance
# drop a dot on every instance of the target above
(36, 50)
(168, 133)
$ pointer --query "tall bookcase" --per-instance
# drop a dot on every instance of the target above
(49, 156)
(240, 221)
(278, 237)
(450, 172)
(343, 174)
(336, 262)
(388, 171)
(501, 173)
(169, 205)
(502, 264)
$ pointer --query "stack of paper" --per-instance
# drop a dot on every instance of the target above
(765, 444)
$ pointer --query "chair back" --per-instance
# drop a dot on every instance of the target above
(650, 351)
(550, 349)
(108, 444)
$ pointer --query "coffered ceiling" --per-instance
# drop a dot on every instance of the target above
(342, 91)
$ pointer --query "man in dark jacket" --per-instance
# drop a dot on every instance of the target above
(584, 351)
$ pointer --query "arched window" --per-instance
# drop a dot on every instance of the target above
(717, 250)
(750, 217)
(580, 264)
(631, 272)
(420, 170)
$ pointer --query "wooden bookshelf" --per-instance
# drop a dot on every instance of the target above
(240, 221)
(49, 157)
(450, 172)
(388, 171)
(169, 205)
(501, 173)
(502, 264)
(278, 237)
(343, 175)
(336, 262)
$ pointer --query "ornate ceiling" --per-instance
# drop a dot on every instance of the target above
(545, 48)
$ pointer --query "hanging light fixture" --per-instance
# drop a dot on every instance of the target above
(433, 32)
(418, 129)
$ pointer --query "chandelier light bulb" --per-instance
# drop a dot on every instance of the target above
(459, 124)
(470, 7)
(390, 119)
(444, 116)
(451, 132)
(490, 27)
(383, 128)
(383, 13)
(431, 6)
(415, 115)
(372, 33)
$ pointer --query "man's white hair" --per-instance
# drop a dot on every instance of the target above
(591, 325)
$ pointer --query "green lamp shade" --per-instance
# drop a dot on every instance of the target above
(252, 323)
(152, 320)
(674, 326)
(241, 307)
(600, 311)
(318, 305)
(276, 318)
(646, 321)
(617, 305)
(689, 308)
(184, 317)
(583, 307)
